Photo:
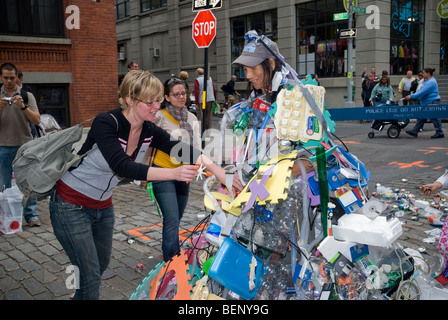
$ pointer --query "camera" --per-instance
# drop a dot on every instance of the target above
(9, 99)
(378, 96)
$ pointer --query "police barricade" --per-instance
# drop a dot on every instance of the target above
(392, 112)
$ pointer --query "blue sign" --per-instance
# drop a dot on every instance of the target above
(439, 111)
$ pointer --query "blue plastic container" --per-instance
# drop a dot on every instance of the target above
(231, 268)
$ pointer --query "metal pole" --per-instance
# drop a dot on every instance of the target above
(204, 93)
(350, 82)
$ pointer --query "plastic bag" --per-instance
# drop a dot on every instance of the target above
(11, 210)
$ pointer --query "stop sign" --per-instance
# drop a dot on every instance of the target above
(204, 28)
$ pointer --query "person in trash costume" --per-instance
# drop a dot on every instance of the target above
(269, 225)
(265, 245)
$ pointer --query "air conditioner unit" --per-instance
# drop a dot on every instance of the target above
(121, 56)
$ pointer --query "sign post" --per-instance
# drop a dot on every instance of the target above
(349, 103)
(204, 31)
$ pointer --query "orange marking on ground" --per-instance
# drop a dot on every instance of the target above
(135, 232)
(189, 231)
(410, 165)
(183, 235)
(427, 151)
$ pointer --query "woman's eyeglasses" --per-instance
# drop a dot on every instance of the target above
(179, 94)
(152, 103)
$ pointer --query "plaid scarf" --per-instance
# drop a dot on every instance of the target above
(181, 115)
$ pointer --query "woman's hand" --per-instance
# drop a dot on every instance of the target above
(185, 173)
(219, 172)
(428, 189)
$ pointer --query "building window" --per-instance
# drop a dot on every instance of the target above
(35, 18)
(406, 36)
(319, 49)
(264, 22)
(121, 9)
(53, 100)
(147, 5)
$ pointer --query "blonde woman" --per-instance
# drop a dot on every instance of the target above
(81, 209)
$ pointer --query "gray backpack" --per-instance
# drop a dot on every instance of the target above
(41, 162)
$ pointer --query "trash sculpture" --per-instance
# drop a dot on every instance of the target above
(304, 227)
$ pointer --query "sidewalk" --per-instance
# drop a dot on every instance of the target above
(32, 263)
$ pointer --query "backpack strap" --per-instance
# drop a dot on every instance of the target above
(24, 94)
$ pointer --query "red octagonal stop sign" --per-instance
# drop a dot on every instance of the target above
(204, 28)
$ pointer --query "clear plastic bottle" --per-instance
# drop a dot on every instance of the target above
(384, 192)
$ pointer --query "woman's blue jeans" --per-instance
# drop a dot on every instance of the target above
(172, 197)
(436, 122)
(86, 236)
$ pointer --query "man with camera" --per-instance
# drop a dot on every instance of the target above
(15, 116)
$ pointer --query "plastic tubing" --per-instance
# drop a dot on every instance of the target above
(207, 182)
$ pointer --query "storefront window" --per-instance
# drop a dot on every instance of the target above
(406, 36)
(264, 22)
(319, 49)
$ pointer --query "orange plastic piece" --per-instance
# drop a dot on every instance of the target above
(180, 267)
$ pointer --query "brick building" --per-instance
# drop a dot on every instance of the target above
(67, 53)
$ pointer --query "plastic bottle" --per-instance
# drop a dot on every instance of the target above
(217, 222)
(241, 124)
(260, 109)
(435, 220)
(384, 192)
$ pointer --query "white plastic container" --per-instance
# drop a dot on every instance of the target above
(218, 223)
(360, 229)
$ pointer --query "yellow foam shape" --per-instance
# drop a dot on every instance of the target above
(276, 184)
(225, 203)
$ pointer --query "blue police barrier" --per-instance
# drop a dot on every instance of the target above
(392, 112)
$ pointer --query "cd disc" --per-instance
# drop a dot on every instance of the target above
(372, 209)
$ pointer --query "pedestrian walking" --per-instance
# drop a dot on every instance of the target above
(428, 94)
(209, 100)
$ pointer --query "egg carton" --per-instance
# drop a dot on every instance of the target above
(294, 119)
